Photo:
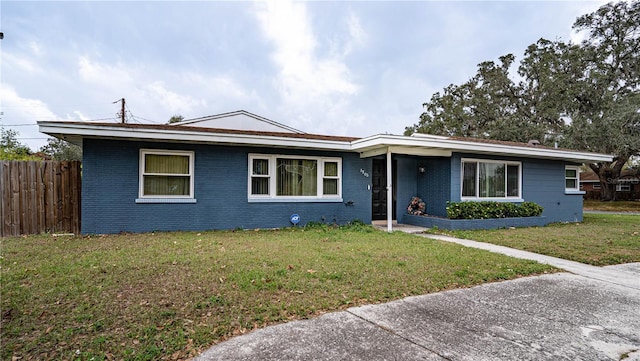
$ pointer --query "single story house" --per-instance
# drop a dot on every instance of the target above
(239, 170)
(627, 186)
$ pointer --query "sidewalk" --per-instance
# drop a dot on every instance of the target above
(588, 314)
(628, 276)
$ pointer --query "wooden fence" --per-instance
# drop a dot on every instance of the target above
(40, 196)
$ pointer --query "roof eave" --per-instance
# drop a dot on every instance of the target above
(384, 140)
(74, 132)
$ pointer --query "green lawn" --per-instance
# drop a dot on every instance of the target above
(602, 239)
(617, 206)
(171, 295)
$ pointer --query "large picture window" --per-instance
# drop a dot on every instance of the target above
(166, 174)
(490, 179)
(273, 177)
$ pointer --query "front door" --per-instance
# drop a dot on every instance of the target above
(379, 189)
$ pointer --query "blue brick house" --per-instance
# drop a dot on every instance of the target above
(207, 174)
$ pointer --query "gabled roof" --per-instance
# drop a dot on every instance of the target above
(422, 145)
(238, 120)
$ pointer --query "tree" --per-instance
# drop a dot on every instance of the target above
(584, 96)
(59, 149)
(606, 116)
(489, 105)
(175, 119)
(11, 148)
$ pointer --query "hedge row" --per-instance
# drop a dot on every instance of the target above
(487, 210)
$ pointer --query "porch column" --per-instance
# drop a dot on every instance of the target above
(389, 192)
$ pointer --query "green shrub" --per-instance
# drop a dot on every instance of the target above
(487, 210)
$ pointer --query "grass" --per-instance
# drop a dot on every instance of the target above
(617, 206)
(602, 239)
(171, 295)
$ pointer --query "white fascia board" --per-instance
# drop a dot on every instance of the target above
(420, 151)
(186, 135)
(378, 141)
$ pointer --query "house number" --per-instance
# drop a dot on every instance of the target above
(364, 173)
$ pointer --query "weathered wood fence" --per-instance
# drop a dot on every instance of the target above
(40, 196)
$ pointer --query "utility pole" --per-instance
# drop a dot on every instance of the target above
(122, 114)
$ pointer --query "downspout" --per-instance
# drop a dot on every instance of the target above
(389, 192)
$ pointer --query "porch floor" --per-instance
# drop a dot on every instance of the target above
(398, 227)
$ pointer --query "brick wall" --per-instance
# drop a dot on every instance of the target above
(110, 188)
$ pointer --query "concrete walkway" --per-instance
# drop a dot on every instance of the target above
(627, 277)
(592, 313)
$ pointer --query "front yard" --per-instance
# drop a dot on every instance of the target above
(602, 239)
(171, 295)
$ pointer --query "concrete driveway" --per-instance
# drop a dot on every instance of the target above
(566, 316)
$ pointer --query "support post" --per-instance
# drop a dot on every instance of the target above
(389, 192)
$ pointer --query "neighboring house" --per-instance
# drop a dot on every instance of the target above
(627, 186)
(139, 178)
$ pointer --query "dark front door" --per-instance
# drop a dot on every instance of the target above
(379, 189)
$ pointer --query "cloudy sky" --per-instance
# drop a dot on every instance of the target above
(353, 68)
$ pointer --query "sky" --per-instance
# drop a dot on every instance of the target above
(351, 68)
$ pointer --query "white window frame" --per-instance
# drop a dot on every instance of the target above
(517, 198)
(577, 178)
(623, 187)
(272, 197)
(142, 198)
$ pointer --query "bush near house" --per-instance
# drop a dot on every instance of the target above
(488, 210)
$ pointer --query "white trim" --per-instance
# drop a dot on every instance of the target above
(165, 198)
(282, 199)
(626, 185)
(71, 131)
(376, 144)
(389, 191)
(272, 197)
(517, 198)
(194, 121)
(382, 140)
(572, 190)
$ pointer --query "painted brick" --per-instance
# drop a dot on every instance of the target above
(434, 185)
(110, 188)
(466, 224)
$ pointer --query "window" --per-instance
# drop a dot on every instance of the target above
(490, 179)
(571, 178)
(166, 174)
(281, 177)
(623, 187)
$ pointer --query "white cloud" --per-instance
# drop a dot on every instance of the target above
(19, 63)
(21, 114)
(302, 72)
(29, 110)
(358, 36)
(115, 76)
(308, 81)
(36, 49)
(173, 102)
